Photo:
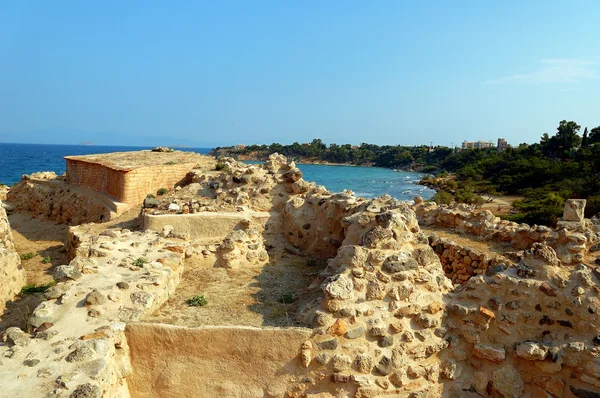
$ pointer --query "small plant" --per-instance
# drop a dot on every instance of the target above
(31, 288)
(150, 196)
(28, 256)
(162, 191)
(170, 162)
(46, 260)
(219, 166)
(287, 298)
(140, 262)
(197, 301)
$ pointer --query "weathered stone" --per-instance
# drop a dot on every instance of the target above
(81, 354)
(341, 362)
(363, 363)
(142, 298)
(95, 297)
(574, 210)
(87, 390)
(339, 328)
(531, 351)
(331, 344)
(384, 367)
(339, 287)
(355, 333)
(506, 382)
(547, 290)
(552, 385)
(489, 352)
(66, 272)
(16, 337)
(386, 341)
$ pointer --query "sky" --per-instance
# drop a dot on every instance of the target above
(216, 73)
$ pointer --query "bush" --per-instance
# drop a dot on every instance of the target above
(140, 262)
(150, 196)
(28, 256)
(162, 191)
(46, 260)
(197, 301)
(219, 166)
(443, 198)
(287, 298)
(171, 162)
(31, 289)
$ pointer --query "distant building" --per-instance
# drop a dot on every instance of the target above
(477, 145)
(502, 145)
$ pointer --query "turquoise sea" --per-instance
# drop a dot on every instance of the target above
(19, 159)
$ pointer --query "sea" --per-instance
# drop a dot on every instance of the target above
(369, 182)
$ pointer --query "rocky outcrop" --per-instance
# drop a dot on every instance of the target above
(12, 275)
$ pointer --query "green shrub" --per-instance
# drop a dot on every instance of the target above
(28, 256)
(150, 196)
(162, 191)
(443, 198)
(286, 298)
(219, 166)
(31, 289)
(170, 162)
(140, 262)
(197, 301)
(46, 260)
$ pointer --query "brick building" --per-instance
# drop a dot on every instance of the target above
(129, 177)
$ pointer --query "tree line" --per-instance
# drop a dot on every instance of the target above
(558, 167)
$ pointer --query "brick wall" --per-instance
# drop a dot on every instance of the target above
(144, 180)
(126, 186)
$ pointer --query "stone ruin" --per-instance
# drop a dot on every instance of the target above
(382, 317)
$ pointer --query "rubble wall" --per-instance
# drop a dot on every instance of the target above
(460, 262)
(50, 197)
(220, 361)
(571, 240)
(12, 275)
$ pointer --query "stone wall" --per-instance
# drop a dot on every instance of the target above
(126, 186)
(12, 275)
(570, 240)
(461, 263)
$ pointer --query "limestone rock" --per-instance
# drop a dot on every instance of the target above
(507, 382)
(339, 287)
(492, 353)
(531, 351)
(66, 272)
(574, 209)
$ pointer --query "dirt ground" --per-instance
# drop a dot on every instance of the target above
(501, 205)
(267, 296)
(43, 238)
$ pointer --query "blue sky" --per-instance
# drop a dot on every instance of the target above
(219, 73)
